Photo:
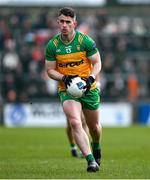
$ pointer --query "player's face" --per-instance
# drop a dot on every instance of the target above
(66, 24)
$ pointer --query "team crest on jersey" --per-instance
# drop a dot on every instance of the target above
(58, 50)
(78, 47)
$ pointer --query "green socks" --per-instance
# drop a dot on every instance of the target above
(90, 157)
(95, 146)
(73, 146)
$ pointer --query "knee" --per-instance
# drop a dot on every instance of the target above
(75, 123)
(94, 128)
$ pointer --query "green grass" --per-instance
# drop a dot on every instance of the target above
(44, 153)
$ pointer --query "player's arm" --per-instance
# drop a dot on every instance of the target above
(50, 64)
(51, 70)
(97, 79)
(96, 62)
(94, 56)
(52, 73)
(50, 61)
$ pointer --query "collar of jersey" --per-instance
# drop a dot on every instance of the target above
(69, 41)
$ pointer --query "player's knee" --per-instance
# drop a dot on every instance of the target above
(75, 124)
(95, 128)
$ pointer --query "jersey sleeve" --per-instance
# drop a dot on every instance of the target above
(90, 46)
(50, 51)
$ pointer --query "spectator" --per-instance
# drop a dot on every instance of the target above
(133, 87)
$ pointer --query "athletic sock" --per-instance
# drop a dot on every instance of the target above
(73, 146)
(74, 151)
(96, 146)
(89, 157)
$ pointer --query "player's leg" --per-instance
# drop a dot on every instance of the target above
(72, 110)
(90, 105)
(84, 125)
(71, 140)
(92, 119)
(72, 143)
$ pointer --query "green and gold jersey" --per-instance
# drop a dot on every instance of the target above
(71, 58)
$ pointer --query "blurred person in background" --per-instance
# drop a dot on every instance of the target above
(133, 87)
(72, 46)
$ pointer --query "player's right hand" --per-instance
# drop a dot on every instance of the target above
(67, 79)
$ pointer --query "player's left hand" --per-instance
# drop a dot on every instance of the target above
(89, 81)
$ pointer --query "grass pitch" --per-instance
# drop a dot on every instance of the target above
(43, 153)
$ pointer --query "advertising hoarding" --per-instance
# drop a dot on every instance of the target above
(51, 115)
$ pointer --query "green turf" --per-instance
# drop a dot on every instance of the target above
(44, 153)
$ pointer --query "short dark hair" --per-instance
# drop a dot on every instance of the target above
(67, 11)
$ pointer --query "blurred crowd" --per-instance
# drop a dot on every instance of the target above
(123, 41)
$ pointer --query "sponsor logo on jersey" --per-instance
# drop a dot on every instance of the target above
(71, 64)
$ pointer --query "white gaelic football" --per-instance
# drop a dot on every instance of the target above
(76, 87)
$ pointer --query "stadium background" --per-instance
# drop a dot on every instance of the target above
(121, 29)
